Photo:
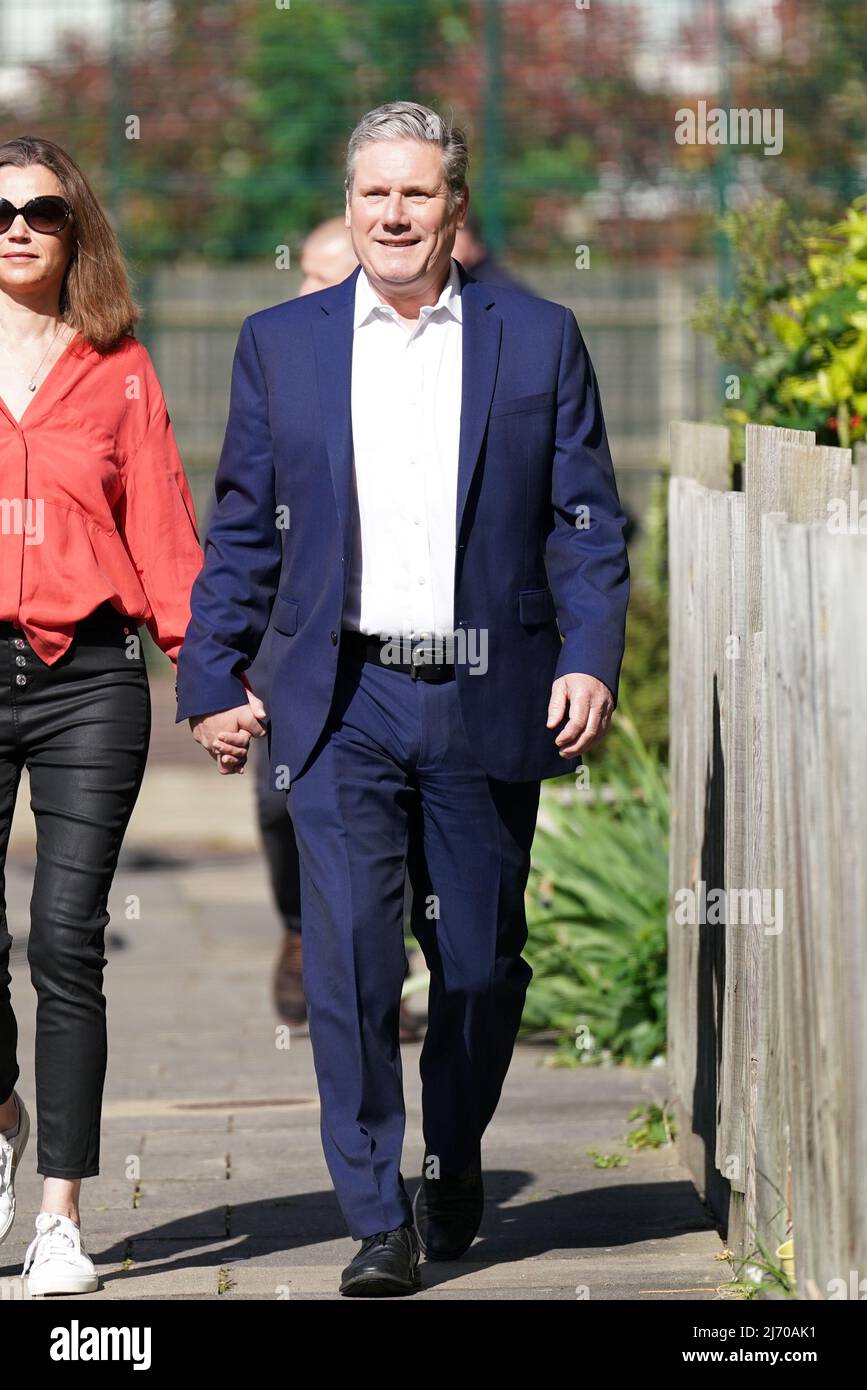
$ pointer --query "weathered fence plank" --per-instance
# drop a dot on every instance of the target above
(701, 452)
(816, 586)
(767, 1043)
(784, 473)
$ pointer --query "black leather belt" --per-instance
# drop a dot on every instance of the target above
(418, 654)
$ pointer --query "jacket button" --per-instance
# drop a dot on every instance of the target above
(334, 639)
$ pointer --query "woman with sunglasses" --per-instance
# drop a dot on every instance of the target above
(97, 535)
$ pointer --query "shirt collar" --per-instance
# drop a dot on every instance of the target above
(368, 303)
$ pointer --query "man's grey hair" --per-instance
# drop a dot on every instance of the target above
(408, 120)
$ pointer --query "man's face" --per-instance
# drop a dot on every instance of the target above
(398, 215)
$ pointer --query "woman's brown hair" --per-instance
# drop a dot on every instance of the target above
(95, 296)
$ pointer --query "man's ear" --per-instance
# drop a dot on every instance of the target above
(462, 215)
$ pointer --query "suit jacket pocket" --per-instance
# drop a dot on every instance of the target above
(522, 405)
(536, 606)
(285, 615)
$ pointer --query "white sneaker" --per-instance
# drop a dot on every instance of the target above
(10, 1156)
(57, 1259)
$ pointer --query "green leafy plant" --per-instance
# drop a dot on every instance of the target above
(657, 1129)
(597, 903)
(759, 1274)
(644, 676)
(601, 1160)
(795, 330)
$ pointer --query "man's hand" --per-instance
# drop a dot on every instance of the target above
(227, 735)
(590, 705)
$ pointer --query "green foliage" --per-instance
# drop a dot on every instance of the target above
(644, 677)
(761, 1273)
(308, 75)
(601, 1160)
(657, 1129)
(795, 330)
(597, 903)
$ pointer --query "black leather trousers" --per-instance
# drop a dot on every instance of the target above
(82, 729)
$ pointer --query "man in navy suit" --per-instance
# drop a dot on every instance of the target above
(416, 489)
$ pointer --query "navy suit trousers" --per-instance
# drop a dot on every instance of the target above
(393, 783)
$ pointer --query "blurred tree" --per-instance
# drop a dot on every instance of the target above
(818, 80)
(149, 121)
(245, 109)
(310, 73)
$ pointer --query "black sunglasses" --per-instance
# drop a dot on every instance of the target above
(44, 214)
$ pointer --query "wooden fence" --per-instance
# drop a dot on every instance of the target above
(768, 879)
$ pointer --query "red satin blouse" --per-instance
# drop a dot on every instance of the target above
(94, 502)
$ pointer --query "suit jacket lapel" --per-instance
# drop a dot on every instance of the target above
(480, 356)
(332, 342)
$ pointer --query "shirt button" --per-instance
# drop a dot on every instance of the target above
(334, 639)
(20, 661)
(19, 641)
(20, 680)
(421, 579)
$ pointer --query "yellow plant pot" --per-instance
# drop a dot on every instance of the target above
(786, 1255)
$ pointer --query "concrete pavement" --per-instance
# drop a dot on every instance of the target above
(213, 1183)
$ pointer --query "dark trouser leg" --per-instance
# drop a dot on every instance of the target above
(350, 809)
(86, 729)
(473, 859)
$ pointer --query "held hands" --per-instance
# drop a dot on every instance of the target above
(589, 704)
(227, 735)
(588, 701)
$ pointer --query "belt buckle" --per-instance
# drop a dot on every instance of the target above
(425, 644)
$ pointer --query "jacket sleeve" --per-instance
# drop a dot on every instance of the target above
(156, 518)
(585, 554)
(234, 593)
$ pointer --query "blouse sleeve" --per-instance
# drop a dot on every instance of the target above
(158, 523)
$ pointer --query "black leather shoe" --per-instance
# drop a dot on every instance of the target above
(448, 1212)
(386, 1264)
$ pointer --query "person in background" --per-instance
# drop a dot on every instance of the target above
(101, 537)
(475, 257)
(327, 256)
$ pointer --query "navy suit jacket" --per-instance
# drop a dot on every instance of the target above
(533, 458)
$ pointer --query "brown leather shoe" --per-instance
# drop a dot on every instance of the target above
(411, 1027)
(289, 998)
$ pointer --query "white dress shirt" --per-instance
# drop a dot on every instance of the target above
(406, 413)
